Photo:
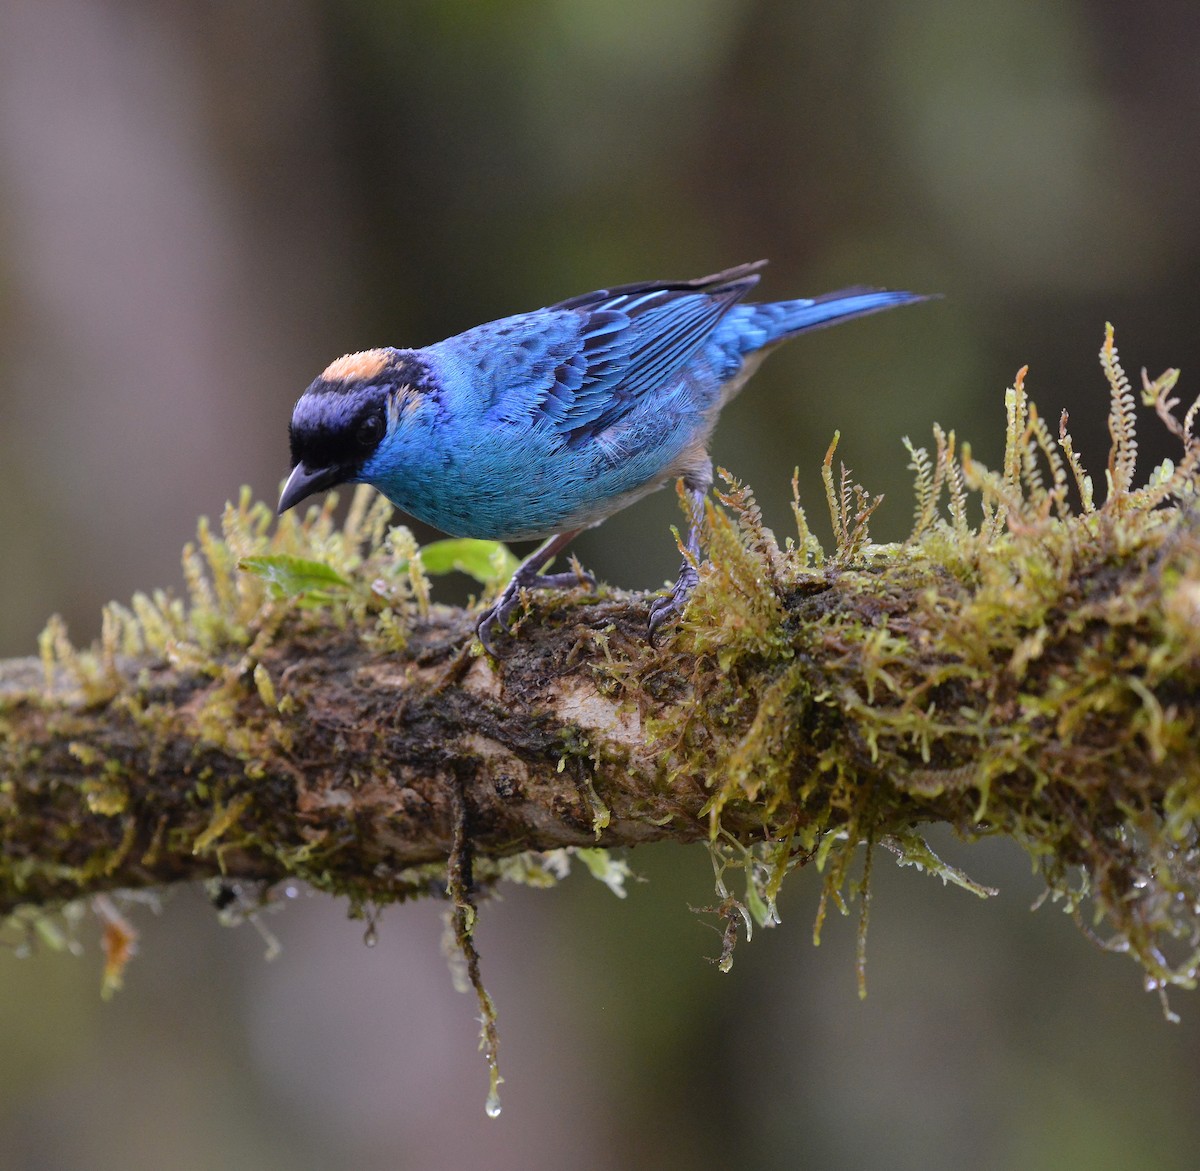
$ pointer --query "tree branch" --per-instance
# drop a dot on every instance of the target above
(341, 768)
(311, 716)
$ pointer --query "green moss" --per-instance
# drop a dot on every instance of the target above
(850, 694)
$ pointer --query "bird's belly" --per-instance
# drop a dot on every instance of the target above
(507, 490)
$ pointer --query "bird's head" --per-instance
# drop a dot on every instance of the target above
(345, 415)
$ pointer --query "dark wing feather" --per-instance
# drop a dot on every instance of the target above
(701, 284)
(634, 339)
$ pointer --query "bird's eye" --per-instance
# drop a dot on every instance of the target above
(370, 432)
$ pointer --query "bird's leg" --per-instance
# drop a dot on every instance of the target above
(664, 609)
(529, 577)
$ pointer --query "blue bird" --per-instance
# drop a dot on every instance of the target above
(544, 424)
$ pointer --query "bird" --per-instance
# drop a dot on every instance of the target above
(543, 424)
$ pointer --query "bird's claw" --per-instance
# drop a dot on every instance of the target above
(496, 615)
(502, 609)
(670, 606)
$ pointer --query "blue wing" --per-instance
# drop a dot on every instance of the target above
(633, 340)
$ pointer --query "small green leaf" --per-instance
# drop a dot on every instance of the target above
(289, 576)
(485, 561)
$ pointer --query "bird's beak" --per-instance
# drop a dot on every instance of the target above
(304, 481)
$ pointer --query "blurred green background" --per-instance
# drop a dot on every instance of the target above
(202, 204)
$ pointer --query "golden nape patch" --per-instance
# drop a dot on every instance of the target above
(366, 364)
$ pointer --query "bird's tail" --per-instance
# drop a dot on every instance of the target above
(758, 326)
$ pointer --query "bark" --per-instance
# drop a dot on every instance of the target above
(1044, 685)
(346, 775)
(342, 763)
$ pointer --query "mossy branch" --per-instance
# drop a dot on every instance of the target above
(306, 713)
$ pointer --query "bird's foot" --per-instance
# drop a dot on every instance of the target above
(502, 609)
(670, 606)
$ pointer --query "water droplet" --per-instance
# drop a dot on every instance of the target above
(370, 936)
(492, 1105)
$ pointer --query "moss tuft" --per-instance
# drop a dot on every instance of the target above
(1001, 676)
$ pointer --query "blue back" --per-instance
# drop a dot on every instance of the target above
(551, 420)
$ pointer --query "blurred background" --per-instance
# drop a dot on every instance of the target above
(201, 204)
